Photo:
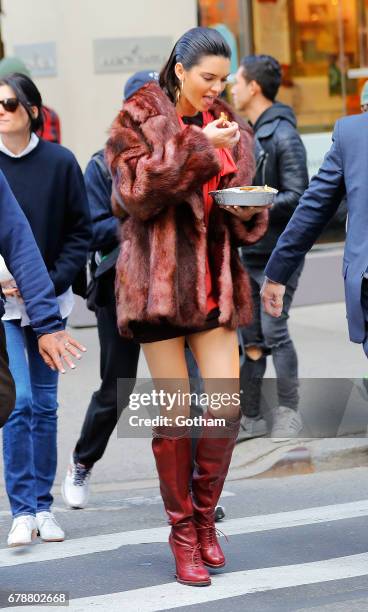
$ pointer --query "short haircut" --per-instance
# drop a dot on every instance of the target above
(265, 70)
(28, 95)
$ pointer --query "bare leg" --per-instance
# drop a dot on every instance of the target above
(172, 452)
(217, 355)
(168, 368)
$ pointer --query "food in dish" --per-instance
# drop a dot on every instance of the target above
(256, 189)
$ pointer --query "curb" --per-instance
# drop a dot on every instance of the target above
(307, 457)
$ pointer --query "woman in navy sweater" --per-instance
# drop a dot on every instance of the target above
(48, 184)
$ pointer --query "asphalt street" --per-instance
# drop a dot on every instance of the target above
(297, 543)
(294, 544)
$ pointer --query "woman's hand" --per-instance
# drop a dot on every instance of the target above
(56, 347)
(245, 213)
(222, 137)
(10, 289)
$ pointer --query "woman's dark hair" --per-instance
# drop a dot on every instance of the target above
(189, 50)
(28, 95)
(266, 71)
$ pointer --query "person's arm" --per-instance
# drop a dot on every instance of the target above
(293, 175)
(104, 224)
(77, 232)
(151, 172)
(316, 207)
(24, 260)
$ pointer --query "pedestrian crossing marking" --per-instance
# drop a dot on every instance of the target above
(224, 586)
(113, 541)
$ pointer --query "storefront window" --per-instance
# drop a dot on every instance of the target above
(232, 19)
(316, 41)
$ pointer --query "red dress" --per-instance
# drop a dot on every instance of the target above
(144, 332)
(227, 167)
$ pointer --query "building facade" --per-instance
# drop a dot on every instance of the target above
(81, 52)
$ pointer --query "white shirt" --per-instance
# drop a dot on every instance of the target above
(14, 308)
(33, 142)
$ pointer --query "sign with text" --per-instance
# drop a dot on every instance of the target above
(40, 58)
(131, 54)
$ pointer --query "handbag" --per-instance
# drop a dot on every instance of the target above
(99, 274)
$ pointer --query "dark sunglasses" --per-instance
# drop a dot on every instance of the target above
(10, 104)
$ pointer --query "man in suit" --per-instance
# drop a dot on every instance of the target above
(343, 172)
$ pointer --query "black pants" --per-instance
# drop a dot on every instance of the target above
(7, 386)
(118, 359)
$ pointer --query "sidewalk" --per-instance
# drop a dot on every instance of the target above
(324, 351)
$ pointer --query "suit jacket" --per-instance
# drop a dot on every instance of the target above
(344, 171)
(158, 171)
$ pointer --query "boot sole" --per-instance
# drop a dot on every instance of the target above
(190, 583)
(214, 566)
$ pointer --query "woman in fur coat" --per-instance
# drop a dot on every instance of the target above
(179, 277)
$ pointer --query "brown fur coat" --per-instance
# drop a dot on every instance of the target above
(158, 171)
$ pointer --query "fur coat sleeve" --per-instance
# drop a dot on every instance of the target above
(154, 164)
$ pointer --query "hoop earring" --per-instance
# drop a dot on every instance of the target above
(179, 91)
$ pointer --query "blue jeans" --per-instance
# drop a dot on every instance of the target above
(29, 436)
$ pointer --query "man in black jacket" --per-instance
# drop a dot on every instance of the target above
(280, 163)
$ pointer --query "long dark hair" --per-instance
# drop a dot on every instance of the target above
(28, 95)
(189, 50)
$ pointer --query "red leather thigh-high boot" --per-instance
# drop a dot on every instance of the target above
(172, 451)
(212, 461)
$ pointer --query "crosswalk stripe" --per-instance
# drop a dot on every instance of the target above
(224, 586)
(244, 525)
(127, 502)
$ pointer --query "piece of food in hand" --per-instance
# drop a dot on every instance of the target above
(223, 117)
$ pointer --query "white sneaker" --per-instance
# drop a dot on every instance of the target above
(75, 487)
(287, 424)
(252, 428)
(23, 530)
(48, 527)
